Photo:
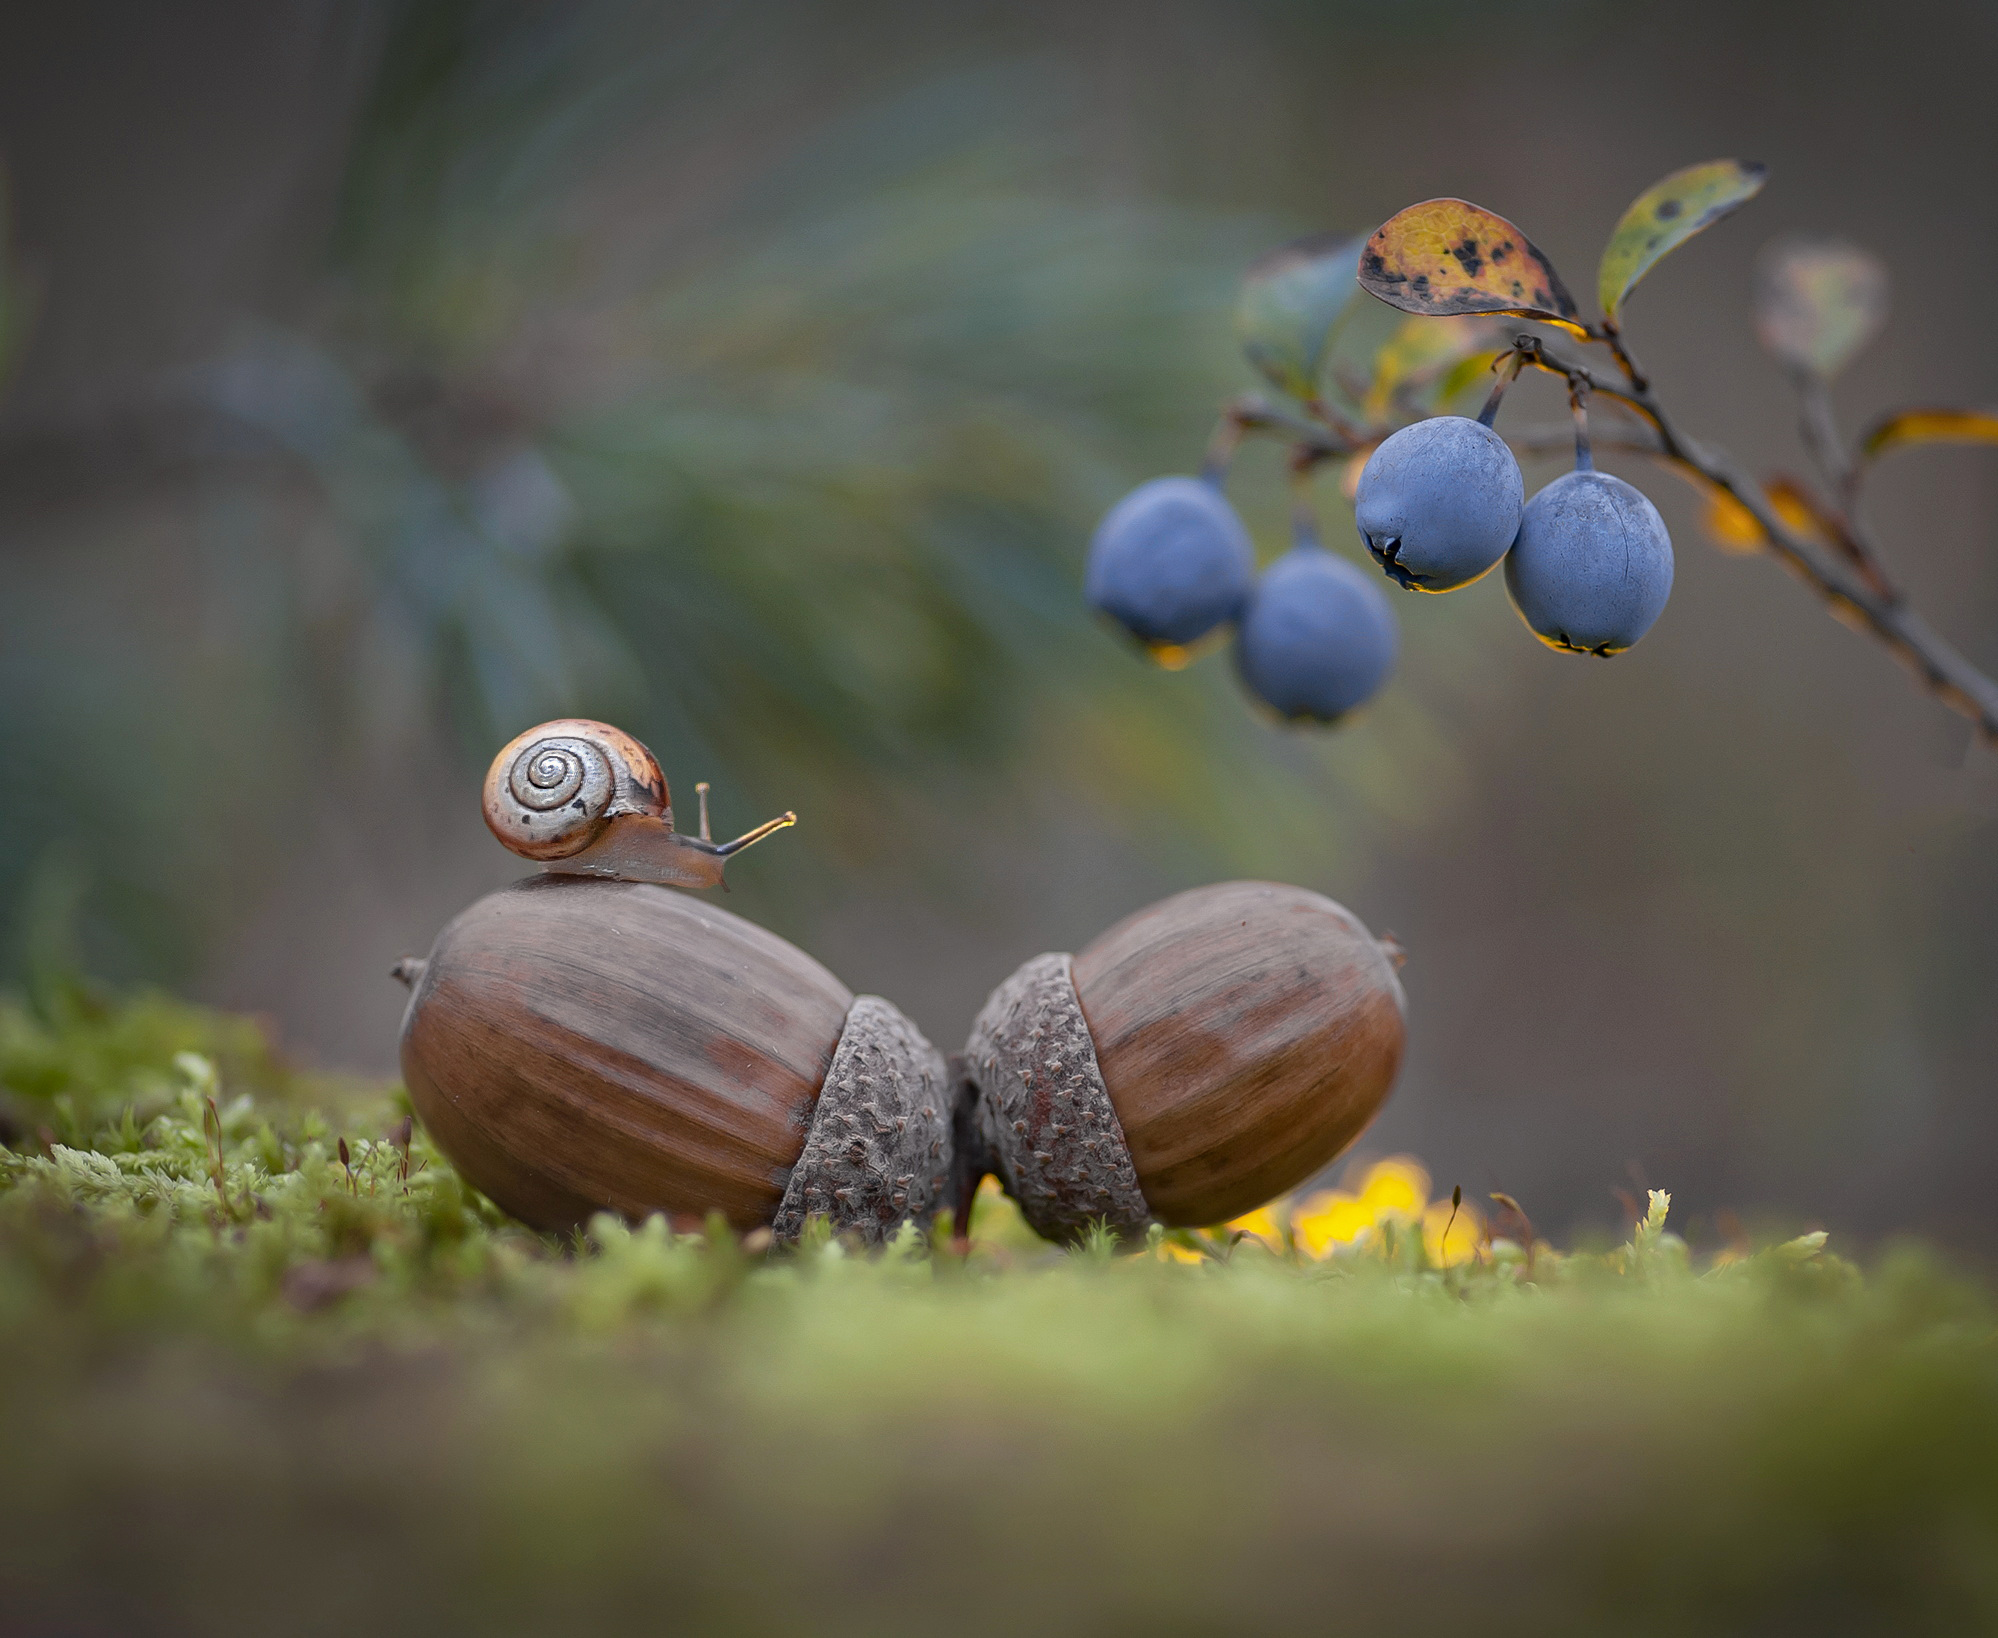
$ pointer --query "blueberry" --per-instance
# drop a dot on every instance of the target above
(1592, 567)
(1170, 562)
(1318, 638)
(1439, 502)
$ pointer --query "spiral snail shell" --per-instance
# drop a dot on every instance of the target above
(552, 791)
(587, 799)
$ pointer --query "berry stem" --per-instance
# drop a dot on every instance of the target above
(1508, 369)
(1221, 446)
(1303, 519)
(1578, 406)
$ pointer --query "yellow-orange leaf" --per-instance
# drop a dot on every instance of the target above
(1732, 527)
(1448, 256)
(1931, 426)
(1816, 305)
(1666, 215)
(1796, 510)
(1729, 524)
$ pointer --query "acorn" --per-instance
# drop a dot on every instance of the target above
(591, 1040)
(1198, 1059)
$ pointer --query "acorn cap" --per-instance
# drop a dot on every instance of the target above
(1042, 1110)
(878, 1153)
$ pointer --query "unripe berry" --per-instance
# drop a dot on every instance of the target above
(1439, 503)
(1170, 562)
(1592, 567)
(1318, 638)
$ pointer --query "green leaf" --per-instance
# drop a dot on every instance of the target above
(1475, 369)
(1448, 256)
(1291, 303)
(1930, 426)
(1423, 351)
(1817, 304)
(1666, 215)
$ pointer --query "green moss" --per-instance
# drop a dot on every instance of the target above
(245, 1385)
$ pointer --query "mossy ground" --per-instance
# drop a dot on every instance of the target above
(247, 1386)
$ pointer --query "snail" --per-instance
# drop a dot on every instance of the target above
(1196, 1060)
(591, 1040)
(585, 799)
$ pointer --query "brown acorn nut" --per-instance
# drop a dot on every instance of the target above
(578, 1044)
(1196, 1060)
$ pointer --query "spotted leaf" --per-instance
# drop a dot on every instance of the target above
(1817, 304)
(1291, 305)
(1666, 215)
(1448, 256)
(1930, 426)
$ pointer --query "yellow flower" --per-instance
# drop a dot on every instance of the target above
(1329, 1219)
(1397, 1186)
(1393, 1189)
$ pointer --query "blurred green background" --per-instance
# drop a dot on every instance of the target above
(385, 378)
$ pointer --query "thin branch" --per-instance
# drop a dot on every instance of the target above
(1612, 337)
(1869, 604)
(1841, 474)
(1312, 444)
(1820, 430)
(1910, 639)
(1252, 413)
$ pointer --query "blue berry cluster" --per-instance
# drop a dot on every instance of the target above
(1588, 564)
(1171, 563)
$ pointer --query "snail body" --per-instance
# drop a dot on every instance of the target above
(578, 1043)
(1196, 1060)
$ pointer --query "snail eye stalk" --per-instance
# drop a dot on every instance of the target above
(769, 827)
